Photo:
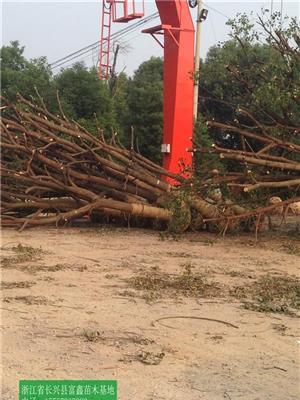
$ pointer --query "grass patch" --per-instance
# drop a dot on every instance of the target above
(145, 357)
(291, 248)
(57, 267)
(29, 300)
(166, 235)
(156, 284)
(23, 254)
(91, 335)
(125, 338)
(29, 254)
(150, 358)
(277, 294)
(238, 274)
(53, 268)
(16, 285)
(179, 254)
(281, 328)
(203, 240)
(29, 251)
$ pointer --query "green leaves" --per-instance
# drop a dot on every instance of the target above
(258, 69)
(82, 95)
(145, 107)
(20, 75)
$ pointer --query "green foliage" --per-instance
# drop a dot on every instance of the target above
(20, 75)
(84, 96)
(123, 103)
(246, 71)
(120, 105)
(181, 212)
(278, 294)
(272, 73)
(253, 71)
(249, 71)
(204, 162)
(145, 107)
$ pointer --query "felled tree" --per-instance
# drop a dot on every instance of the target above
(260, 136)
(53, 171)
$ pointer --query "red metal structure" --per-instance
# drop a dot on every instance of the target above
(114, 11)
(127, 10)
(177, 30)
(104, 57)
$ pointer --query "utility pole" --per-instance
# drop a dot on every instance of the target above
(271, 8)
(197, 55)
(113, 76)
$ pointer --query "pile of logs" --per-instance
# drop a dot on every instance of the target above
(267, 164)
(276, 171)
(257, 135)
(54, 171)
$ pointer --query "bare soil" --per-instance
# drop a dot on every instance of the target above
(94, 303)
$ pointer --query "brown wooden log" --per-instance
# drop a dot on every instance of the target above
(256, 211)
(261, 138)
(51, 164)
(260, 156)
(131, 209)
(281, 184)
(264, 163)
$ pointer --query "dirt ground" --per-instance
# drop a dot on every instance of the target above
(74, 307)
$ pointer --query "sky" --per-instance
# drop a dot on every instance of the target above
(55, 29)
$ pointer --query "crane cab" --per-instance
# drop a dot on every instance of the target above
(126, 10)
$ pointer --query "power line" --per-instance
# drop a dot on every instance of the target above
(121, 33)
(85, 57)
(213, 29)
(80, 59)
(217, 11)
(271, 8)
(95, 45)
(118, 33)
(52, 65)
(76, 56)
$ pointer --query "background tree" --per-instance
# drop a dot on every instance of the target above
(119, 93)
(256, 124)
(21, 75)
(83, 96)
(133, 102)
(145, 107)
(252, 72)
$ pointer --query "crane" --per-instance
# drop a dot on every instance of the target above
(177, 31)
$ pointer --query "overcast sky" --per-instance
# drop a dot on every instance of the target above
(55, 29)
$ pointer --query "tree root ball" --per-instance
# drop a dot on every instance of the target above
(181, 215)
(228, 225)
(197, 222)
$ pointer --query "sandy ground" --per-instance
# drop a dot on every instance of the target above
(78, 318)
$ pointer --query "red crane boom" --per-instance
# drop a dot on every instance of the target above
(177, 30)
